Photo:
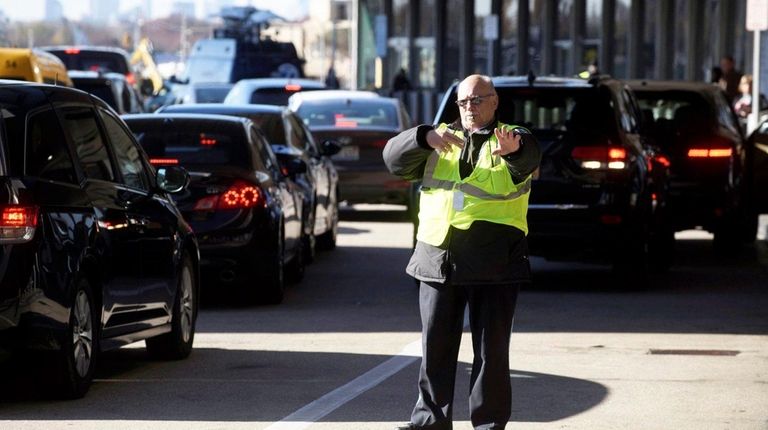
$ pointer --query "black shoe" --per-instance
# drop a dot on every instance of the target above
(409, 426)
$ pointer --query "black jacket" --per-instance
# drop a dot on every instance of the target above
(486, 253)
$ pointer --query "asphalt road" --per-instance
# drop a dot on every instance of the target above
(341, 353)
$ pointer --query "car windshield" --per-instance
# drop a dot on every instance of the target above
(348, 113)
(99, 89)
(677, 112)
(193, 142)
(551, 109)
(211, 94)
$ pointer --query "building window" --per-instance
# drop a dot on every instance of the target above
(621, 39)
(425, 44)
(509, 27)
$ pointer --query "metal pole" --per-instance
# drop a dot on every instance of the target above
(354, 42)
(755, 105)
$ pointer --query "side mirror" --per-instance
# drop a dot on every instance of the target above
(330, 147)
(172, 179)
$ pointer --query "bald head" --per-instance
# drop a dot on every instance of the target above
(477, 101)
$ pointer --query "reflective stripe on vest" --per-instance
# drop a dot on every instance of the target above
(487, 194)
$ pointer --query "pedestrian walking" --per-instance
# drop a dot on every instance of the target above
(471, 249)
(730, 79)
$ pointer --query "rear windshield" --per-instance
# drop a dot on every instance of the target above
(102, 90)
(193, 142)
(96, 61)
(349, 114)
(550, 109)
(685, 109)
(274, 96)
(210, 95)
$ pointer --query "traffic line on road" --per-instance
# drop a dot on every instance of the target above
(328, 403)
(315, 411)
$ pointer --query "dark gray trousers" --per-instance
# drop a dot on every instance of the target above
(491, 312)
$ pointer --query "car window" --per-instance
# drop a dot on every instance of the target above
(47, 153)
(272, 126)
(99, 88)
(265, 157)
(304, 135)
(127, 154)
(297, 137)
(349, 113)
(194, 143)
(80, 124)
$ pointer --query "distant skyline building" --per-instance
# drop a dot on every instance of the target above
(104, 11)
(53, 10)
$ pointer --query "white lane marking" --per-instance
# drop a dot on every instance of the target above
(328, 403)
(315, 411)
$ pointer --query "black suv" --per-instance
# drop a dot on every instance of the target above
(600, 191)
(710, 177)
(93, 253)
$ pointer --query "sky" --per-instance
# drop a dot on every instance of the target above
(30, 10)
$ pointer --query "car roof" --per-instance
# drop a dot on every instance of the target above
(540, 81)
(185, 116)
(87, 48)
(224, 109)
(336, 94)
(278, 83)
(659, 85)
(90, 74)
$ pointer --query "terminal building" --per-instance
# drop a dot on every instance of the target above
(439, 41)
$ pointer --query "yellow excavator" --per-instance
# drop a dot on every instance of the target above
(145, 64)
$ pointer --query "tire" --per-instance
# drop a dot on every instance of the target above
(177, 344)
(74, 364)
(271, 290)
(309, 247)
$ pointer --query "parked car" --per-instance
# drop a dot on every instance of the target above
(113, 88)
(269, 91)
(362, 122)
(93, 253)
(695, 125)
(246, 212)
(290, 140)
(757, 168)
(600, 191)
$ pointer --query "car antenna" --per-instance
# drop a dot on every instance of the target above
(531, 77)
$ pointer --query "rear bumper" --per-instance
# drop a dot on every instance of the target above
(694, 205)
(574, 232)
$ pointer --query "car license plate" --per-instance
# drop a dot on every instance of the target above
(348, 153)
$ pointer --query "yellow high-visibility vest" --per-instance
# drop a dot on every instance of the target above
(487, 194)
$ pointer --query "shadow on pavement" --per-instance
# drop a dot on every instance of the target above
(265, 386)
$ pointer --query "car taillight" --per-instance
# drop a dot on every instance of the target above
(600, 157)
(241, 195)
(163, 161)
(72, 51)
(130, 78)
(17, 223)
(710, 152)
(292, 87)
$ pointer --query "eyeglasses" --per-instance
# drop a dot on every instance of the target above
(474, 101)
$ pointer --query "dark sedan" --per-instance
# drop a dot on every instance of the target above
(362, 122)
(291, 140)
(93, 253)
(246, 212)
(694, 124)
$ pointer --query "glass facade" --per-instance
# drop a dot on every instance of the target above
(508, 22)
(482, 48)
(425, 45)
(621, 39)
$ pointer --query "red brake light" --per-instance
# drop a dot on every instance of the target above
(241, 195)
(664, 161)
(163, 161)
(207, 141)
(292, 87)
(345, 123)
(600, 157)
(710, 152)
(130, 78)
(72, 51)
(17, 223)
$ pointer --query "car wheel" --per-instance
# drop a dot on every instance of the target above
(177, 344)
(76, 359)
(273, 289)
